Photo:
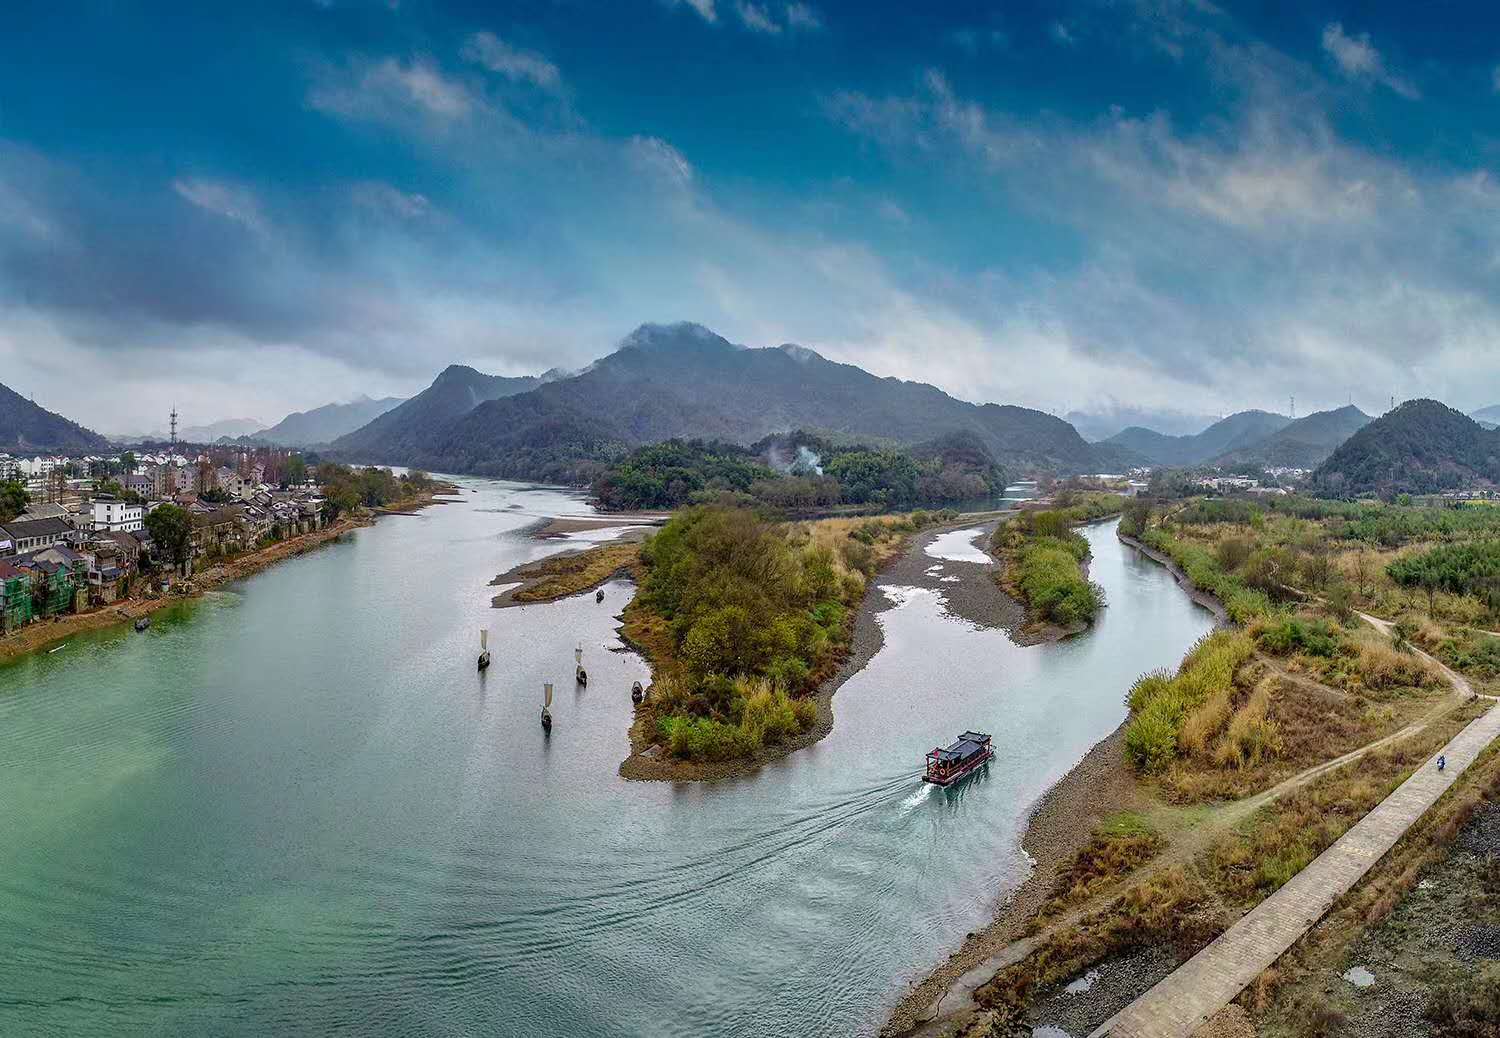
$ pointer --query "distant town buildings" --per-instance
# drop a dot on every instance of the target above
(82, 538)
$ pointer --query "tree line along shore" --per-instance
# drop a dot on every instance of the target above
(1223, 794)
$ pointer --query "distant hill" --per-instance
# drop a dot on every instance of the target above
(683, 381)
(1421, 447)
(1240, 430)
(1099, 423)
(1304, 444)
(26, 427)
(407, 429)
(226, 427)
(327, 423)
(1489, 417)
(230, 429)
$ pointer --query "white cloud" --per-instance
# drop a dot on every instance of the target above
(1062, 34)
(802, 16)
(389, 89)
(705, 8)
(383, 198)
(1233, 263)
(659, 159)
(489, 50)
(222, 198)
(756, 17)
(1358, 59)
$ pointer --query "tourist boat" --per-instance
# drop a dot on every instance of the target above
(484, 648)
(960, 759)
(143, 623)
(637, 693)
(546, 702)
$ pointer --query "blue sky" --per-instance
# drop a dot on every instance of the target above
(251, 209)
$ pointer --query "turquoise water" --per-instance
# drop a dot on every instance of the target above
(294, 808)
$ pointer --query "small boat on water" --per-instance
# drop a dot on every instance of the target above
(484, 648)
(143, 623)
(599, 595)
(947, 765)
(546, 704)
(637, 693)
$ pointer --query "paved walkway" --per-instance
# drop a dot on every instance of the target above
(1207, 982)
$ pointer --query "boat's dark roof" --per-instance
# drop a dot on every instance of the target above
(961, 750)
(974, 737)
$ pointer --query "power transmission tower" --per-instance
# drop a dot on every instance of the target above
(1292, 405)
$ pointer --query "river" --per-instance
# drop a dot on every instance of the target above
(292, 807)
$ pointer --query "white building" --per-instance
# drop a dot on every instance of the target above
(110, 513)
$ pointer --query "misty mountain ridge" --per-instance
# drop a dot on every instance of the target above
(1103, 422)
(327, 423)
(1239, 430)
(685, 381)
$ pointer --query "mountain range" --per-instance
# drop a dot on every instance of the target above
(327, 423)
(1421, 447)
(1102, 422)
(1237, 431)
(1302, 444)
(684, 381)
(26, 427)
(404, 430)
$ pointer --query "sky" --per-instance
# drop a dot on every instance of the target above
(245, 210)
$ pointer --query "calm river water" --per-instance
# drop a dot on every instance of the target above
(293, 808)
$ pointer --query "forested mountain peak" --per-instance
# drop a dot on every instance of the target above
(1423, 446)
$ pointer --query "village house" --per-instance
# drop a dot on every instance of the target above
(111, 513)
(15, 597)
(59, 580)
(27, 535)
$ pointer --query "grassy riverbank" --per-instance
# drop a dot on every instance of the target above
(1045, 559)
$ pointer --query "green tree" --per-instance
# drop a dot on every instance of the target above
(13, 499)
(294, 471)
(127, 462)
(171, 528)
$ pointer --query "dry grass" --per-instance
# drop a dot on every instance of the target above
(1171, 906)
(1281, 839)
(564, 575)
(1116, 850)
(1252, 736)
